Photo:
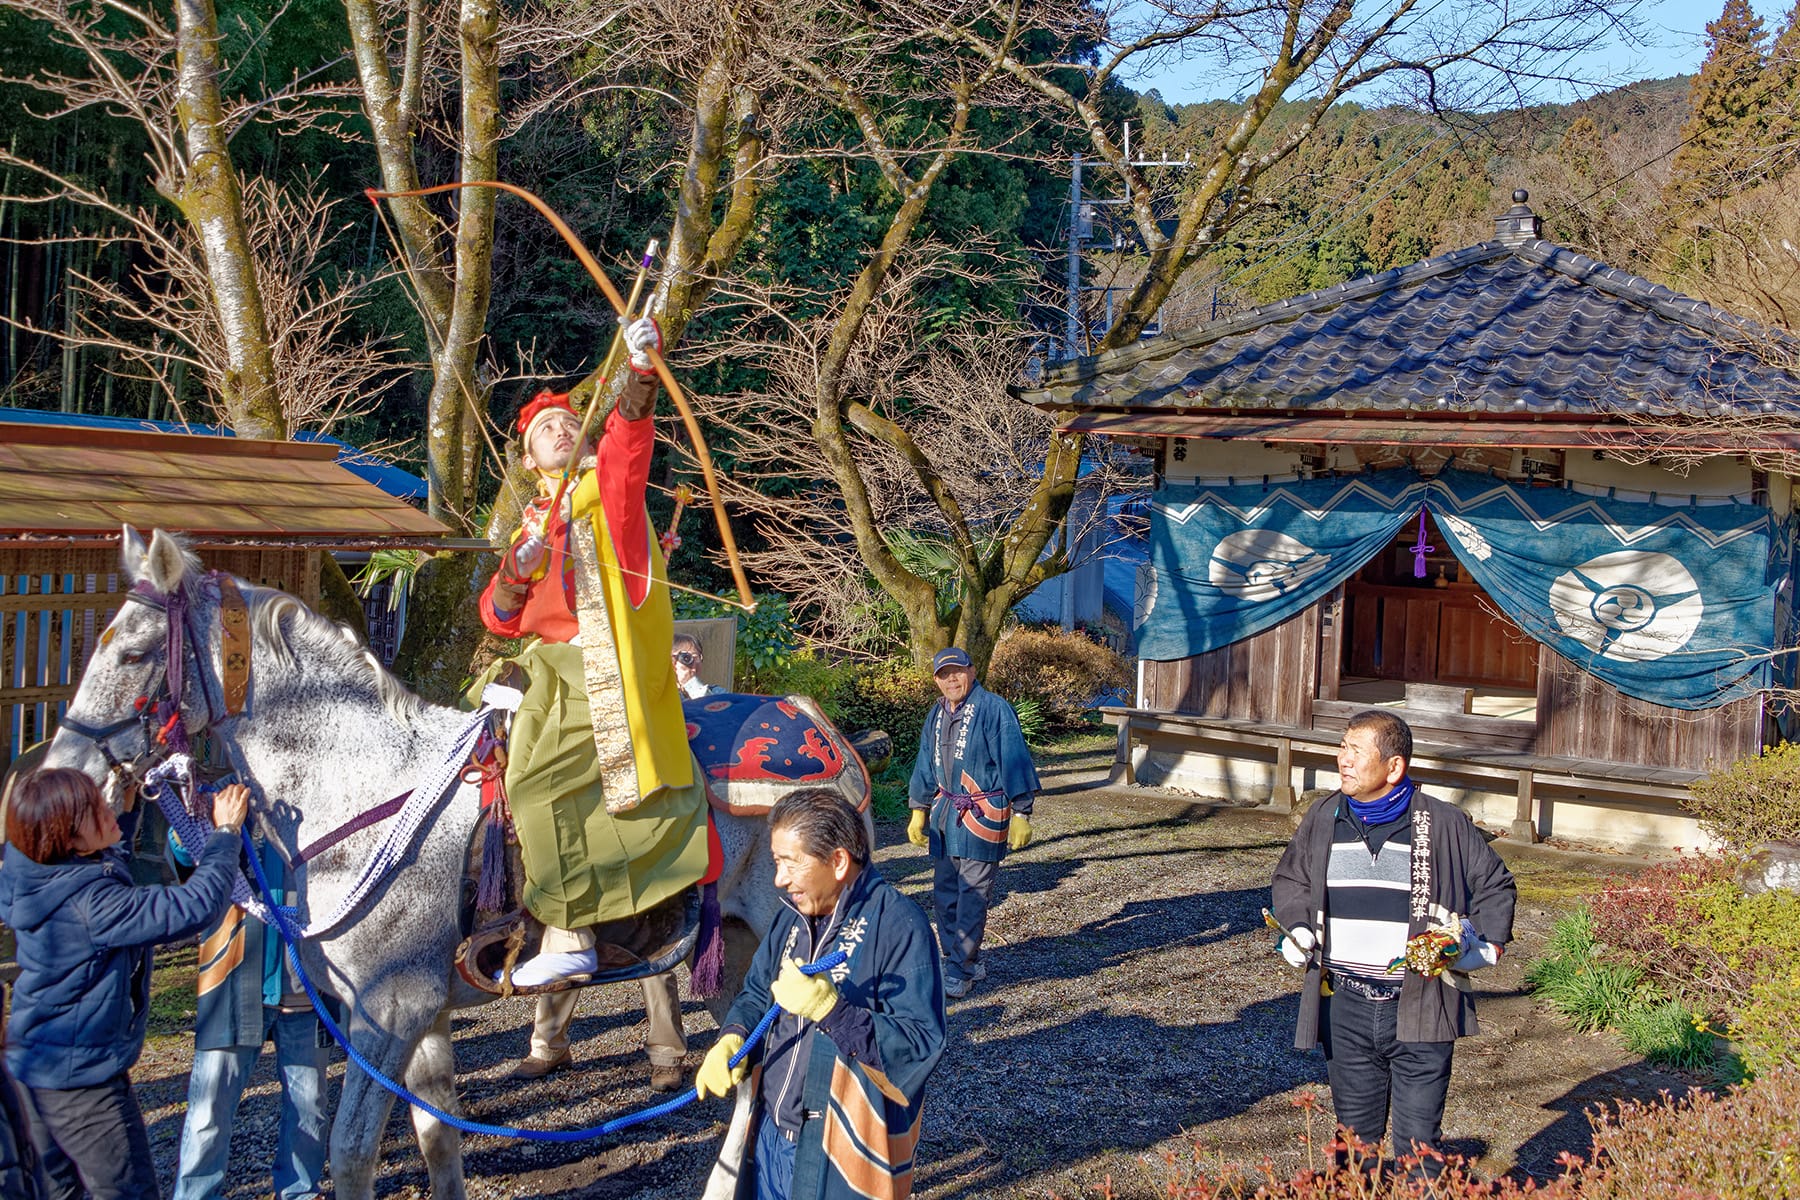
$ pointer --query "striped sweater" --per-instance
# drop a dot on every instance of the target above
(1367, 886)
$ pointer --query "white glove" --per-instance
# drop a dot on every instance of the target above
(642, 336)
(1296, 949)
(1477, 952)
(529, 553)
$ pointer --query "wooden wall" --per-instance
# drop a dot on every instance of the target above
(1444, 635)
(1269, 677)
(1582, 716)
(54, 603)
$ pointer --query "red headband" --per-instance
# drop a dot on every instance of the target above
(539, 405)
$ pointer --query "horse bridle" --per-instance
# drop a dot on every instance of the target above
(158, 711)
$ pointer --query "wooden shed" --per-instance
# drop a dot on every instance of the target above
(1541, 506)
(265, 511)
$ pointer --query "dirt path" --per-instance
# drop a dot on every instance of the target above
(1134, 1008)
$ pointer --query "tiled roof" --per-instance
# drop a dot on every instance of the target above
(1515, 326)
(70, 484)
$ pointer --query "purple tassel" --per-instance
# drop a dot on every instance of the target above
(708, 974)
(490, 892)
(1420, 549)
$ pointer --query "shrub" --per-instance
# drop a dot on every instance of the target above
(1573, 976)
(806, 674)
(1668, 1033)
(1729, 955)
(1032, 721)
(1063, 672)
(1741, 1145)
(1646, 917)
(765, 636)
(892, 695)
(1754, 800)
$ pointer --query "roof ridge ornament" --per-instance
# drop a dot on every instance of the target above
(1518, 224)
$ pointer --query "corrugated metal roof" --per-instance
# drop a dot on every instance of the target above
(1521, 327)
(70, 484)
(383, 474)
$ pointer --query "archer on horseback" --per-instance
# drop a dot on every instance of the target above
(609, 809)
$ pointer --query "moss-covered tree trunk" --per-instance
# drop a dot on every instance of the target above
(210, 198)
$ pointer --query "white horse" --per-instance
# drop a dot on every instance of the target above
(325, 735)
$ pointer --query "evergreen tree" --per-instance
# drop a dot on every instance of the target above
(1727, 102)
(1783, 138)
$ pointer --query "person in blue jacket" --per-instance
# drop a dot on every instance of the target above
(971, 793)
(833, 1108)
(82, 1001)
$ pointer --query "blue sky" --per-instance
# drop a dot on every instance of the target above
(1674, 33)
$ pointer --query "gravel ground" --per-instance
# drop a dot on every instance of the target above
(1134, 1009)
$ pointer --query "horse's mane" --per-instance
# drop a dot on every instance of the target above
(276, 617)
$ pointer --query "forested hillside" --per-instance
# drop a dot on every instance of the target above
(863, 208)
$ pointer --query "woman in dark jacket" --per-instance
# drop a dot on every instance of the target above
(82, 1000)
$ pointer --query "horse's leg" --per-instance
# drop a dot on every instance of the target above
(431, 1076)
(388, 1019)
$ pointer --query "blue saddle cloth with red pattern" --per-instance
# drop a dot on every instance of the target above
(770, 738)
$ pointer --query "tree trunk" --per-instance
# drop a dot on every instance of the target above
(443, 626)
(211, 200)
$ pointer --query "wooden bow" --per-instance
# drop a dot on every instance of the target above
(701, 454)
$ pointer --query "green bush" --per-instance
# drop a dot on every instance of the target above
(1063, 672)
(1752, 801)
(1578, 981)
(765, 637)
(1729, 955)
(893, 696)
(1032, 721)
(1667, 1033)
(806, 674)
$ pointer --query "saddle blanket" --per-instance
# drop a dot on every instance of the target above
(755, 749)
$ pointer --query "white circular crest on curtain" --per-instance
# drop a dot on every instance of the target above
(1262, 564)
(1630, 605)
(1145, 602)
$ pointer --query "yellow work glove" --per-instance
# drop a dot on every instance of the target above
(716, 1075)
(809, 997)
(1018, 832)
(915, 829)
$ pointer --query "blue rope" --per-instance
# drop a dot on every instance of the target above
(284, 918)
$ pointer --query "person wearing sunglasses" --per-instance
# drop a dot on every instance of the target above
(688, 657)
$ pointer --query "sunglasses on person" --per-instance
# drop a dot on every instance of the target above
(687, 658)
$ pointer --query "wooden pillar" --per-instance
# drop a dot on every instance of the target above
(1524, 826)
(1281, 796)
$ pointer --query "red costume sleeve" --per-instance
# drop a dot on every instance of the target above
(507, 625)
(623, 462)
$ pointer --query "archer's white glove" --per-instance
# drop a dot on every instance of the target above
(528, 554)
(1477, 952)
(1296, 949)
(642, 336)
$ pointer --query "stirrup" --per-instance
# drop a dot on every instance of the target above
(648, 944)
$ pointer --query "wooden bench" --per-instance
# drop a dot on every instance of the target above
(1534, 779)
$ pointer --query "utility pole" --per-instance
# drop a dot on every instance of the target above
(1072, 331)
(1081, 229)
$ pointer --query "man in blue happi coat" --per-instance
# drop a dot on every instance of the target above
(971, 794)
(836, 1090)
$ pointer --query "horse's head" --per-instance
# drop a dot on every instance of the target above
(113, 724)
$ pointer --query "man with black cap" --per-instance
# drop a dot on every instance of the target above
(971, 792)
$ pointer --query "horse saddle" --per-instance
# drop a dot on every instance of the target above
(499, 931)
(648, 943)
